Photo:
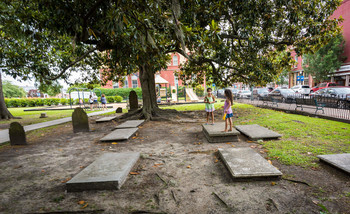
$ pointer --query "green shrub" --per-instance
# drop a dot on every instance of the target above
(31, 102)
(64, 101)
(110, 99)
(199, 90)
(7, 102)
(55, 101)
(123, 92)
(47, 102)
(13, 102)
(118, 99)
(39, 102)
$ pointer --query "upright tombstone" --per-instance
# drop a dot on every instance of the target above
(17, 134)
(119, 110)
(80, 121)
(133, 101)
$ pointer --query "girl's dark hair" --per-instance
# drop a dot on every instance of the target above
(209, 89)
(228, 94)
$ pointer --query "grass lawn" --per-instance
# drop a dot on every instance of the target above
(303, 137)
(32, 117)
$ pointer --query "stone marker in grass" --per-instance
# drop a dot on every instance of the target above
(105, 119)
(108, 172)
(256, 132)
(80, 121)
(245, 163)
(119, 134)
(17, 134)
(340, 161)
(214, 133)
(133, 101)
(130, 124)
(119, 110)
(43, 115)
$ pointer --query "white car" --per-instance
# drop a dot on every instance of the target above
(301, 89)
(244, 93)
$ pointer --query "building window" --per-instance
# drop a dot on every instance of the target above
(126, 85)
(134, 83)
(116, 85)
(175, 60)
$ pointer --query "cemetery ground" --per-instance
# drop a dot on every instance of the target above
(179, 171)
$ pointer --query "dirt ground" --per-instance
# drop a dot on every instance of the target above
(178, 172)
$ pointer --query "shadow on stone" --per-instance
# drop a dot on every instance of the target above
(80, 121)
(17, 134)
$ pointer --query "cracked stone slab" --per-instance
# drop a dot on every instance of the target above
(214, 134)
(119, 134)
(130, 124)
(340, 161)
(256, 132)
(246, 163)
(105, 119)
(108, 172)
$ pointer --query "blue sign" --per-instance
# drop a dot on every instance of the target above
(38, 94)
(300, 78)
(213, 85)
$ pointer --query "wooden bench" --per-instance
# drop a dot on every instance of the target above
(309, 103)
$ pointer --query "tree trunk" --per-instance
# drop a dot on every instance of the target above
(4, 112)
(149, 98)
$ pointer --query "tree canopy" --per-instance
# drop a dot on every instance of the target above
(224, 41)
(11, 90)
(326, 60)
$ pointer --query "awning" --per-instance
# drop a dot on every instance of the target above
(160, 80)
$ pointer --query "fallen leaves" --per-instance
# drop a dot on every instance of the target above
(134, 173)
(269, 162)
(114, 143)
(83, 203)
(157, 164)
(66, 180)
(188, 166)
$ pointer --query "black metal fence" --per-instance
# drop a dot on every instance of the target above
(327, 105)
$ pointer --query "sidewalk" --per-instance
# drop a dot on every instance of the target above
(4, 134)
(342, 115)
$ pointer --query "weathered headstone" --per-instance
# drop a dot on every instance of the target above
(130, 124)
(17, 134)
(133, 101)
(119, 110)
(108, 172)
(119, 134)
(341, 161)
(246, 163)
(80, 120)
(256, 132)
(43, 115)
(214, 133)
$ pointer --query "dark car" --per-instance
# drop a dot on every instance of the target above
(258, 93)
(338, 97)
(282, 95)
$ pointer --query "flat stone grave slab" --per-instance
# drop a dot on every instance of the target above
(105, 119)
(108, 172)
(341, 161)
(214, 133)
(130, 124)
(256, 132)
(119, 134)
(246, 163)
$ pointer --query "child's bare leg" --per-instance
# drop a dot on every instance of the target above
(207, 117)
(230, 121)
(225, 126)
(212, 117)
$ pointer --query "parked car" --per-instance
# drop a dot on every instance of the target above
(282, 95)
(260, 92)
(323, 85)
(301, 89)
(244, 94)
(269, 89)
(220, 93)
(337, 96)
(234, 91)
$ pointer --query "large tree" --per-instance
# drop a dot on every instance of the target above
(11, 90)
(225, 41)
(326, 60)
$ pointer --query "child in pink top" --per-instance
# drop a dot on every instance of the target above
(228, 109)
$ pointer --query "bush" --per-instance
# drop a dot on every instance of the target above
(47, 102)
(64, 101)
(55, 101)
(110, 99)
(199, 90)
(7, 102)
(13, 103)
(123, 92)
(31, 102)
(118, 99)
(39, 102)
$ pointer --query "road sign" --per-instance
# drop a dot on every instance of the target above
(300, 78)
(213, 85)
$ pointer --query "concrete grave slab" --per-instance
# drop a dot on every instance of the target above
(130, 124)
(256, 132)
(214, 133)
(119, 134)
(341, 161)
(108, 172)
(105, 119)
(246, 163)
